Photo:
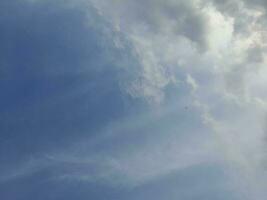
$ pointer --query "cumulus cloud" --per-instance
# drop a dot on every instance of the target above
(232, 33)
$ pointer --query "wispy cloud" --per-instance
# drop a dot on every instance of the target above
(125, 93)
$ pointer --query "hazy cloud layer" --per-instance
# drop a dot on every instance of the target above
(119, 99)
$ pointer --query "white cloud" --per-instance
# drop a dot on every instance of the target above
(220, 46)
(191, 81)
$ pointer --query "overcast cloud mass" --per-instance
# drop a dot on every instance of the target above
(133, 100)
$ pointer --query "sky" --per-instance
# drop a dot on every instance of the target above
(136, 100)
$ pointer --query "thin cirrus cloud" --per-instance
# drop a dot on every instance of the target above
(132, 99)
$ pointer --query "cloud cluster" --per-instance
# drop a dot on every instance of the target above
(125, 93)
(220, 45)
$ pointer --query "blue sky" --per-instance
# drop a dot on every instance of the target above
(133, 100)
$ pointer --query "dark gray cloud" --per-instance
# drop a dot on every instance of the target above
(189, 22)
(255, 54)
(259, 4)
(182, 18)
(228, 6)
(235, 10)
